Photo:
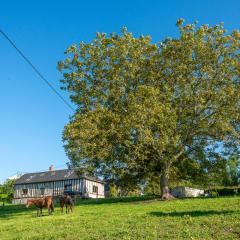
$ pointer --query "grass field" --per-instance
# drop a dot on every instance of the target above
(210, 218)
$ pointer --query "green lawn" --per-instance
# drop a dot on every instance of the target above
(210, 218)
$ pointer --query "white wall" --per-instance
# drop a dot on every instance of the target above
(57, 188)
(89, 189)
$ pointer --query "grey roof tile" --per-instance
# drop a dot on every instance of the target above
(55, 175)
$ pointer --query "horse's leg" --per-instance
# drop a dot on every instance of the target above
(52, 207)
(49, 209)
(67, 208)
(41, 211)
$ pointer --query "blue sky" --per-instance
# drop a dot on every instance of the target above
(32, 117)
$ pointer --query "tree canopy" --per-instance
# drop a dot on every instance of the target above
(7, 190)
(143, 108)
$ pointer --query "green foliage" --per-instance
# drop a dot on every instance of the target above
(134, 193)
(152, 187)
(127, 199)
(3, 198)
(222, 171)
(209, 218)
(233, 170)
(225, 191)
(213, 193)
(144, 108)
(113, 190)
(6, 189)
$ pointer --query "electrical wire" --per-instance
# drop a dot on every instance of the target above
(35, 69)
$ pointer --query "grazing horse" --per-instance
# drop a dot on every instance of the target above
(40, 203)
(67, 201)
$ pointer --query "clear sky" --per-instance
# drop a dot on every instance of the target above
(32, 117)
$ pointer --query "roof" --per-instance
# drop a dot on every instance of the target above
(54, 175)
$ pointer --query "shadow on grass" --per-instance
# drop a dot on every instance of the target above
(10, 211)
(14, 210)
(197, 213)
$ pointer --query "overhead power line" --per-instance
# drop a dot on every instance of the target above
(35, 69)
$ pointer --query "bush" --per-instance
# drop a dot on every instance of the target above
(6, 190)
(115, 200)
(225, 191)
(113, 191)
(3, 198)
(213, 193)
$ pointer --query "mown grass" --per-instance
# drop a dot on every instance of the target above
(210, 218)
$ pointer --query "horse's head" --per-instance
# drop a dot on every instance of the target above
(29, 203)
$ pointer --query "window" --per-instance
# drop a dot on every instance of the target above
(68, 187)
(95, 189)
(42, 190)
(25, 191)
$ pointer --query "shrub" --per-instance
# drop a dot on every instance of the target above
(225, 191)
(214, 194)
(3, 198)
(115, 200)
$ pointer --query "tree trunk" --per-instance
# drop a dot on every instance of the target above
(166, 195)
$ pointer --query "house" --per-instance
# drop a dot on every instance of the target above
(55, 183)
(182, 192)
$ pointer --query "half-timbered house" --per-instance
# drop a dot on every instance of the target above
(56, 183)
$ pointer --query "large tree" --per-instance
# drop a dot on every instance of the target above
(143, 107)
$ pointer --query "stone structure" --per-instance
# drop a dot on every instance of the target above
(182, 192)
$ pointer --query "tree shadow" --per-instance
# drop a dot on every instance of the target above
(10, 211)
(197, 213)
(14, 210)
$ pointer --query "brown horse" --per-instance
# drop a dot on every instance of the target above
(40, 203)
(67, 201)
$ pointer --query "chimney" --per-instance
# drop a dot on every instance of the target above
(51, 168)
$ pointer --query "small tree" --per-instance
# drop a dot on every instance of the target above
(112, 190)
(7, 190)
(3, 198)
(142, 106)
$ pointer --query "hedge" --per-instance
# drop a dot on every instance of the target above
(224, 191)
